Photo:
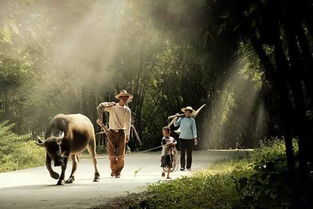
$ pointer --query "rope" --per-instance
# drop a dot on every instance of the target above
(128, 154)
(146, 163)
(148, 150)
(144, 151)
(109, 140)
(105, 131)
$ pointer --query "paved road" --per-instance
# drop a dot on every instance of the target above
(33, 188)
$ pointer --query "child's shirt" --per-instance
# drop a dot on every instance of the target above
(165, 148)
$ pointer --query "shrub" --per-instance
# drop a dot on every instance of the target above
(258, 180)
(269, 186)
(210, 188)
(18, 152)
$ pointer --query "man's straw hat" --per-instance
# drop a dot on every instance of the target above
(124, 93)
(187, 108)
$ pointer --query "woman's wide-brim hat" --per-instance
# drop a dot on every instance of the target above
(124, 93)
(187, 108)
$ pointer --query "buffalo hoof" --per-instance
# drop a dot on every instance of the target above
(96, 178)
(55, 175)
(61, 182)
(70, 180)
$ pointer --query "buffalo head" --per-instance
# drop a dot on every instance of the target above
(53, 147)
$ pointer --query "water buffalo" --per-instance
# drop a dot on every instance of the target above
(67, 136)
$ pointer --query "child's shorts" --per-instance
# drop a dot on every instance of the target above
(166, 161)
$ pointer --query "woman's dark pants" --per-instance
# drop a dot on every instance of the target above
(186, 145)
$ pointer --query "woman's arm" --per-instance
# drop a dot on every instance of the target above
(194, 129)
(177, 122)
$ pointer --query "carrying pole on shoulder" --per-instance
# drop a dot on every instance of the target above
(194, 114)
(174, 117)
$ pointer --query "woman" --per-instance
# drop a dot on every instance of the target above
(187, 136)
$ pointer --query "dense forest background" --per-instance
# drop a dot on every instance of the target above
(68, 56)
(249, 61)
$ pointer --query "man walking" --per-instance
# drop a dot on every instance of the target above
(119, 130)
(187, 136)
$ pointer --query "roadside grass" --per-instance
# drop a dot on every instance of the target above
(213, 187)
(225, 185)
(18, 152)
(256, 180)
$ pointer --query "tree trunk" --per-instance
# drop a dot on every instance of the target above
(280, 85)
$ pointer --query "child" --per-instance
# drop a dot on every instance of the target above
(168, 149)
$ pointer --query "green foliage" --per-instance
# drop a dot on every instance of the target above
(257, 180)
(197, 192)
(270, 150)
(52, 60)
(269, 186)
(18, 152)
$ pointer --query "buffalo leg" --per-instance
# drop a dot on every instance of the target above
(92, 151)
(53, 174)
(74, 167)
(61, 179)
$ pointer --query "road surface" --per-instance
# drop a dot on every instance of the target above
(33, 188)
